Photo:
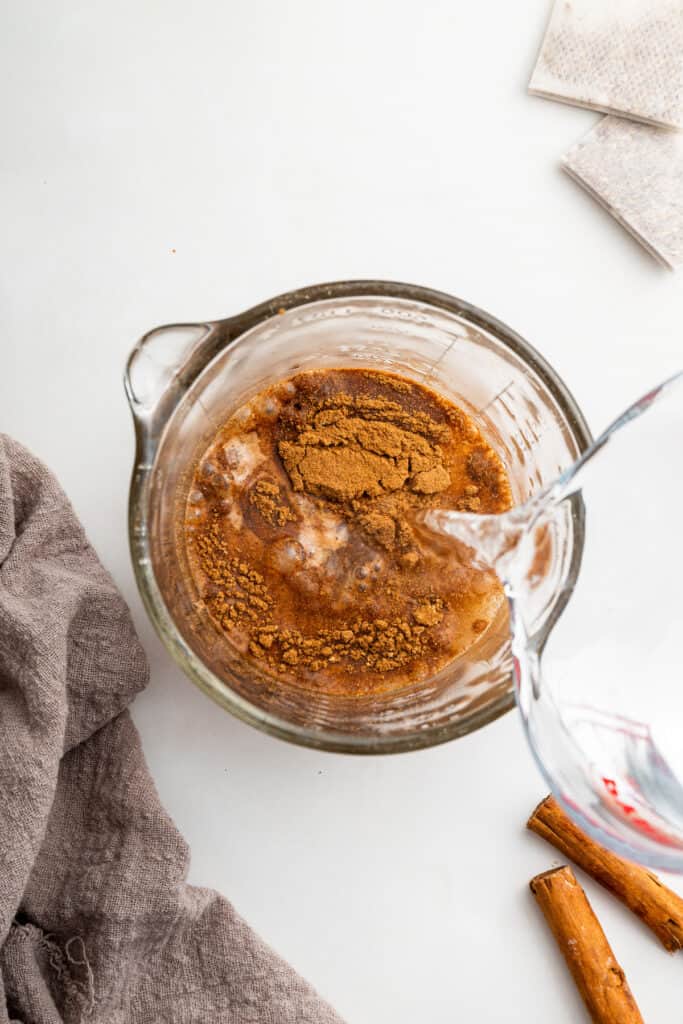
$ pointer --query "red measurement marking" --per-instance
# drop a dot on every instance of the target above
(611, 786)
(628, 810)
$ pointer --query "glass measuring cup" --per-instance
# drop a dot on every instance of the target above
(596, 627)
(184, 381)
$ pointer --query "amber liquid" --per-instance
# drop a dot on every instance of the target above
(301, 531)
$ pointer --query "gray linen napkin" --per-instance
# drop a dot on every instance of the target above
(96, 921)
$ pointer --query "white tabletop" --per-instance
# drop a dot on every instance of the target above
(175, 161)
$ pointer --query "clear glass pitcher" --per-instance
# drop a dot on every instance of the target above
(183, 381)
(596, 627)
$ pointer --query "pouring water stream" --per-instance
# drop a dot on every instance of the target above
(592, 570)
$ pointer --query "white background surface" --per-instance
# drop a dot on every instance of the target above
(170, 161)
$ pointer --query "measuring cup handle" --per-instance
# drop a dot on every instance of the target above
(157, 368)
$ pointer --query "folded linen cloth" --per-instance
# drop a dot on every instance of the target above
(618, 56)
(636, 173)
(96, 921)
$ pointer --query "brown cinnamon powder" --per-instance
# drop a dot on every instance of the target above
(266, 497)
(300, 530)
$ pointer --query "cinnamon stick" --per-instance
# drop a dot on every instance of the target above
(639, 889)
(599, 978)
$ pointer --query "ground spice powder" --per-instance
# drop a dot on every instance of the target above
(300, 530)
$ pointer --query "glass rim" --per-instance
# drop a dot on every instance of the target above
(147, 443)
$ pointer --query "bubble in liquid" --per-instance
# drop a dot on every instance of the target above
(287, 555)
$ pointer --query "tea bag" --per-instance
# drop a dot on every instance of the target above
(618, 56)
(636, 173)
